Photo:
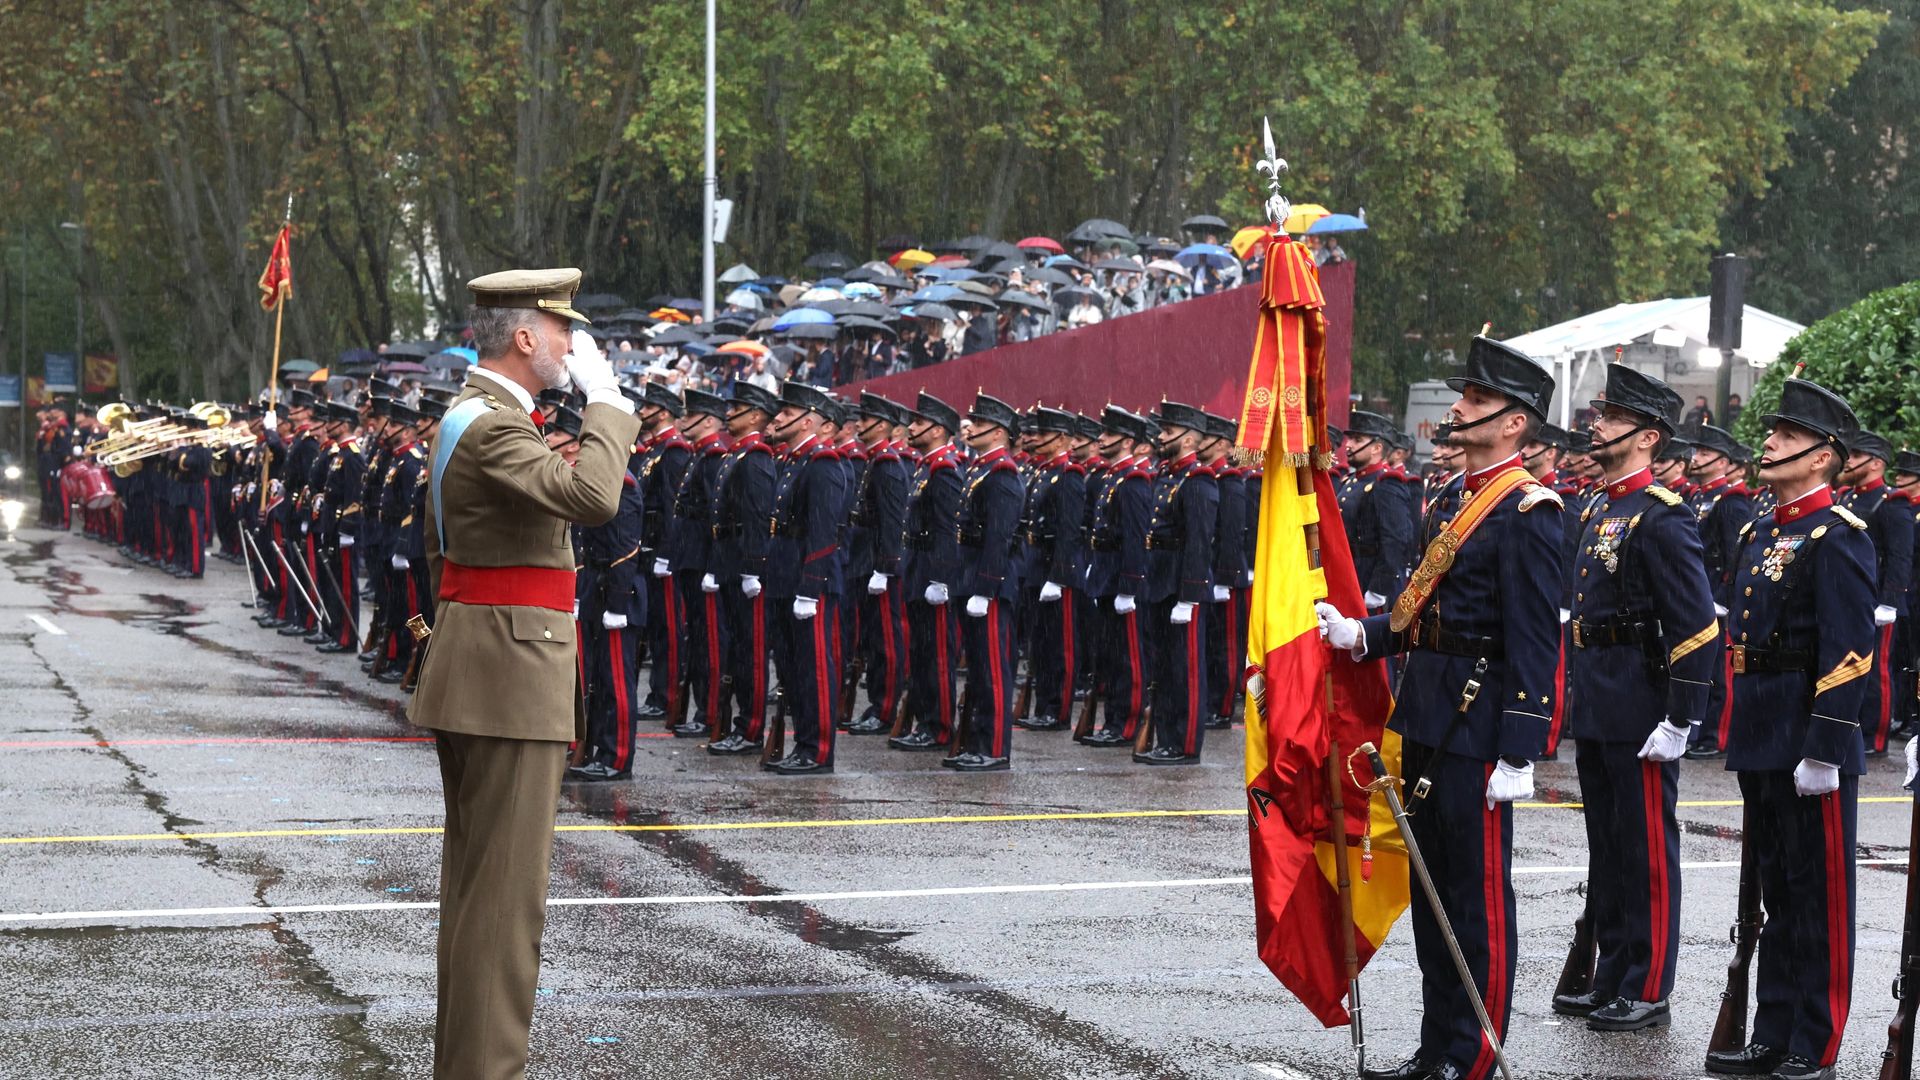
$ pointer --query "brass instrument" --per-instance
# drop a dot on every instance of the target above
(136, 442)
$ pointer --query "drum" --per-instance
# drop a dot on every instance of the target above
(87, 483)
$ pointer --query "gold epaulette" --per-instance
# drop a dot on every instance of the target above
(1747, 528)
(1664, 495)
(1537, 494)
(1849, 517)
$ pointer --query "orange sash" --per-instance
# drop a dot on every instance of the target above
(1474, 509)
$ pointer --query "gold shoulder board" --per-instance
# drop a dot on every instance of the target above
(1537, 494)
(1664, 495)
(1849, 517)
(1745, 529)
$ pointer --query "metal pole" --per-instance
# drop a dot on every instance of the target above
(710, 182)
(23, 351)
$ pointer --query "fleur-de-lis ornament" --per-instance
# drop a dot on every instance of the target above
(1273, 166)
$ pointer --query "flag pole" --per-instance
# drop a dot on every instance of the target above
(273, 380)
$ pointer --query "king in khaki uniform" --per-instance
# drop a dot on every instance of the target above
(498, 686)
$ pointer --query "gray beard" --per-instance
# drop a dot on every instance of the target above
(552, 373)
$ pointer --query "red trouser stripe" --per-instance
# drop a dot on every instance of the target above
(1495, 899)
(1653, 803)
(1069, 664)
(673, 643)
(348, 580)
(942, 680)
(1726, 682)
(900, 646)
(996, 680)
(757, 704)
(714, 683)
(822, 690)
(1839, 953)
(1883, 713)
(1189, 743)
(622, 722)
(1133, 664)
(197, 554)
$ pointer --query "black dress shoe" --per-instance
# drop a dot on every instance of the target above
(1796, 1067)
(972, 763)
(1106, 738)
(868, 725)
(917, 741)
(1165, 755)
(1754, 1059)
(798, 764)
(318, 637)
(954, 761)
(1623, 1015)
(333, 647)
(391, 677)
(597, 771)
(731, 745)
(292, 630)
(1041, 723)
(651, 712)
(368, 657)
(1414, 1068)
(265, 620)
(692, 729)
(1704, 753)
(1577, 1004)
(1446, 1070)
(1219, 723)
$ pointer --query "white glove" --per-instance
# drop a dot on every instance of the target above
(1222, 594)
(1883, 615)
(78, 450)
(1565, 616)
(1720, 610)
(936, 593)
(303, 528)
(1123, 605)
(346, 541)
(1182, 614)
(977, 606)
(1049, 592)
(1337, 630)
(709, 583)
(749, 586)
(588, 368)
(661, 568)
(805, 607)
(1508, 784)
(400, 562)
(1249, 579)
(1812, 777)
(270, 420)
(1667, 742)
(1913, 762)
(1373, 600)
(576, 611)
(613, 621)
(877, 584)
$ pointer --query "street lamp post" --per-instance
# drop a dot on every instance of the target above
(79, 307)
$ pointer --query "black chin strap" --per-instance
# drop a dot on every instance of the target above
(1446, 430)
(1618, 438)
(1768, 463)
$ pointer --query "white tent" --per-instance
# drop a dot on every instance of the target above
(1669, 336)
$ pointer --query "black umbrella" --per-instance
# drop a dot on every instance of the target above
(419, 350)
(998, 252)
(633, 315)
(933, 311)
(1050, 276)
(1059, 261)
(1164, 248)
(1074, 293)
(1203, 221)
(966, 245)
(890, 281)
(1094, 229)
(858, 322)
(598, 302)
(675, 335)
(1127, 265)
(828, 262)
(822, 331)
(1022, 298)
(865, 309)
(985, 303)
(447, 361)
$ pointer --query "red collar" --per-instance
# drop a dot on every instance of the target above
(1059, 461)
(752, 440)
(1627, 485)
(1376, 467)
(1818, 499)
(707, 441)
(996, 454)
(1714, 485)
(1477, 480)
(1874, 484)
(1183, 463)
(1551, 478)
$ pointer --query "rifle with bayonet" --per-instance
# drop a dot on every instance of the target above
(1730, 1029)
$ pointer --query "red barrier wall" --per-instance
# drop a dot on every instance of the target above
(1195, 352)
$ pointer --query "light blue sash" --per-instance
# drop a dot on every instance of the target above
(451, 428)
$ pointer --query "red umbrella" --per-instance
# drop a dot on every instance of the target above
(950, 260)
(1042, 243)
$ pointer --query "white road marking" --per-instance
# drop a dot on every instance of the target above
(47, 626)
(1276, 1071)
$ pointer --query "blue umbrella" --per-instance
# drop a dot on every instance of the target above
(472, 355)
(685, 304)
(1205, 255)
(1337, 223)
(803, 316)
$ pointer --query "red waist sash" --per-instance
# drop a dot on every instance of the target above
(507, 586)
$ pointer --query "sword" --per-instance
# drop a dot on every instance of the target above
(346, 609)
(1384, 782)
(251, 587)
(293, 576)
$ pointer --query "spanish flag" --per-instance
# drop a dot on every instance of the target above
(1315, 704)
(276, 281)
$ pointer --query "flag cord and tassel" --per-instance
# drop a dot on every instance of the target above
(280, 270)
(1337, 824)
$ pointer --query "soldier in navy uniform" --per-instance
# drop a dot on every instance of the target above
(1906, 491)
(689, 551)
(1117, 575)
(343, 519)
(370, 539)
(804, 572)
(1476, 699)
(302, 448)
(659, 464)
(1226, 647)
(986, 528)
(1721, 505)
(1180, 568)
(1541, 455)
(1890, 524)
(403, 516)
(876, 560)
(743, 512)
(1374, 507)
(1054, 519)
(1803, 644)
(1643, 636)
(933, 565)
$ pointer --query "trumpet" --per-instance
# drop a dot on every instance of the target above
(161, 440)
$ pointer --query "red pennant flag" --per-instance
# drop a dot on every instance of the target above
(276, 281)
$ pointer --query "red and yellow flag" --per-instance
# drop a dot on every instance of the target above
(276, 281)
(1316, 700)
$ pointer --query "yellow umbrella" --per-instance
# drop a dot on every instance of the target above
(320, 375)
(1244, 240)
(912, 258)
(1304, 215)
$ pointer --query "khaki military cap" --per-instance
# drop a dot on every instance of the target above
(542, 290)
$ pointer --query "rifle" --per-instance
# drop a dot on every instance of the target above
(1083, 726)
(1730, 1029)
(957, 738)
(1143, 739)
(422, 633)
(773, 746)
(1576, 975)
(850, 688)
(1897, 1062)
(1022, 704)
(376, 626)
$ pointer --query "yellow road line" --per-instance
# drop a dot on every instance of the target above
(736, 826)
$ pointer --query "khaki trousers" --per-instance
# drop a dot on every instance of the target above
(501, 796)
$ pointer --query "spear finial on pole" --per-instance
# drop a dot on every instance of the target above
(1273, 165)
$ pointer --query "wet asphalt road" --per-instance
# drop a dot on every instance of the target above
(210, 725)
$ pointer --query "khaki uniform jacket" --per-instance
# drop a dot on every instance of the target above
(511, 672)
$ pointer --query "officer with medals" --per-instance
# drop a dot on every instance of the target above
(1122, 514)
(986, 527)
(1802, 657)
(1643, 637)
(689, 551)
(1906, 491)
(1481, 630)
(1722, 506)
(743, 510)
(1890, 524)
(499, 686)
(1180, 568)
(803, 574)
(877, 559)
(933, 562)
(1373, 504)
(1053, 522)
(658, 465)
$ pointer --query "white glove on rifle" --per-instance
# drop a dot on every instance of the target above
(709, 583)
(936, 593)
(749, 586)
(588, 368)
(1049, 592)
(1123, 605)
(400, 562)
(1182, 614)
(270, 420)
(977, 606)
(661, 568)
(877, 584)
(613, 621)
(1666, 743)
(1913, 762)
(1509, 784)
(805, 607)
(1812, 777)
(1222, 594)
(346, 541)
(1339, 631)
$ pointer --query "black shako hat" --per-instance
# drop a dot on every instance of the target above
(1637, 392)
(754, 396)
(1551, 435)
(1907, 461)
(1045, 421)
(874, 407)
(806, 396)
(1087, 427)
(1336, 437)
(705, 404)
(1506, 370)
(936, 412)
(1581, 442)
(301, 399)
(1362, 424)
(1866, 442)
(565, 419)
(1221, 427)
(1677, 450)
(658, 396)
(1816, 408)
(1174, 414)
(988, 409)
(1128, 425)
(431, 408)
(1720, 441)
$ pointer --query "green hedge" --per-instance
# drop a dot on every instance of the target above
(1868, 353)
